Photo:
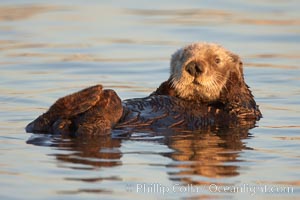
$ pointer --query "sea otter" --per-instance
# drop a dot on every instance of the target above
(206, 88)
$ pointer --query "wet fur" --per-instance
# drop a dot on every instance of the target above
(218, 96)
(229, 90)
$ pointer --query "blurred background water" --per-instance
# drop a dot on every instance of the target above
(51, 48)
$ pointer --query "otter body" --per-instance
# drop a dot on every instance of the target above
(161, 112)
(206, 88)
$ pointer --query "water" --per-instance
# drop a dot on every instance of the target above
(52, 48)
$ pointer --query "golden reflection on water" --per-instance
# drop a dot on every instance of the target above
(269, 65)
(289, 56)
(213, 153)
(207, 16)
(208, 153)
(90, 152)
(182, 17)
(22, 12)
(138, 41)
(12, 49)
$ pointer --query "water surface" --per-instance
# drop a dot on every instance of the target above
(51, 48)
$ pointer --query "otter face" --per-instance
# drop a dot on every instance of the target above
(200, 71)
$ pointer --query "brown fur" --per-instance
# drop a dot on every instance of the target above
(91, 111)
(234, 94)
(206, 87)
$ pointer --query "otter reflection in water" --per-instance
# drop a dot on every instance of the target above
(206, 88)
(213, 153)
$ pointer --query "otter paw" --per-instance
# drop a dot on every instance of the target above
(62, 126)
(77, 102)
(95, 128)
(39, 125)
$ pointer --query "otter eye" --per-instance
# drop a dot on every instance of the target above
(217, 60)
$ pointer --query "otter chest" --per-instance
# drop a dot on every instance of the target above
(165, 112)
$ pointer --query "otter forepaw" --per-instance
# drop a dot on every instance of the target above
(39, 125)
(62, 126)
(96, 128)
(77, 102)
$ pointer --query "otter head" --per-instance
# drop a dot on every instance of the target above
(202, 71)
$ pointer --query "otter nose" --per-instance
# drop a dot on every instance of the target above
(194, 69)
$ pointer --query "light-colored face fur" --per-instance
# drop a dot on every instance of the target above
(215, 63)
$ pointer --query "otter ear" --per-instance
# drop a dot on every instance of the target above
(236, 73)
(176, 58)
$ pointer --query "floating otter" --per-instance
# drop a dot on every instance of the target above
(206, 88)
